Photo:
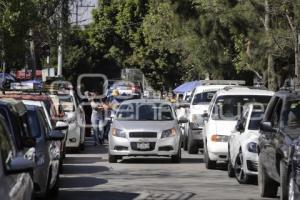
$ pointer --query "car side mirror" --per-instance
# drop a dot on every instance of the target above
(204, 115)
(239, 127)
(29, 142)
(56, 135)
(183, 120)
(20, 164)
(267, 127)
(61, 126)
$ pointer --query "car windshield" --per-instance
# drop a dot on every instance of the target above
(292, 114)
(255, 120)
(203, 98)
(34, 123)
(230, 107)
(145, 112)
(67, 103)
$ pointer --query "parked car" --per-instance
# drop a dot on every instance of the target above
(54, 118)
(278, 147)
(75, 117)
(221, 118)
(15, 169)
(46, 173)
(242, 145)
(200, 99)
(15, 115)
(145, 128)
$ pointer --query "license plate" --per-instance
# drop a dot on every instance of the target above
(143, 145)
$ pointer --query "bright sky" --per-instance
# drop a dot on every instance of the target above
(84, 13)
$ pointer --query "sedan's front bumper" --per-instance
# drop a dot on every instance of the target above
(158, 147)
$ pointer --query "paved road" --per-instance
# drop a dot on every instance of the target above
(89, 176)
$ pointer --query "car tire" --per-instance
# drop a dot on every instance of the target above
(267, 186)
(239, 172)
(209, 164)
(230, 167)
(176, 158)
(284, 184)
(185, 143)
(82, 147)
(55, 190)
(112, 159)
(191, 147)
(292, 187)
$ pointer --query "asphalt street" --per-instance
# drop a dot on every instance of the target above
(89, 176)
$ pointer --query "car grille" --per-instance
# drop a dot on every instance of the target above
(134, 146)
(252, 166)
(143, 134)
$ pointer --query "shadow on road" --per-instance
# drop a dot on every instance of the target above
(96, 195)
(81, 182)
(142, 160)
(83, 160)
(83, 169)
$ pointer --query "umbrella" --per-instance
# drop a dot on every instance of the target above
(186, 87)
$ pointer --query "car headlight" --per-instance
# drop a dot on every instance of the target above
(118, 133)
(252, 147)
(168, 133)
(219, 138)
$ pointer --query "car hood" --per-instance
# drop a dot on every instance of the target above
(198, 109)
(224, 127)
(149, 126)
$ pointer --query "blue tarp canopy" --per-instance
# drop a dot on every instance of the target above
(7, 76)
(186, 87)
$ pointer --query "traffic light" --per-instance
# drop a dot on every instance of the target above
(45, 49)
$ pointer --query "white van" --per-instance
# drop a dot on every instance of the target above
(221, 118)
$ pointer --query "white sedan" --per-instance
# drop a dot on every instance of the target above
(243, 157)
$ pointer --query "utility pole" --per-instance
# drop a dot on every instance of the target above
(63, 19)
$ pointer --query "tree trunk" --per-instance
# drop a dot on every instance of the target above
(32, 53)
(272, 84)
(297, 71)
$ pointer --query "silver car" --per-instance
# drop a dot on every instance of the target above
(15, 179)
(145, 128)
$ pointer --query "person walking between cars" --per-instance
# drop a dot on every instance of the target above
(97, 119)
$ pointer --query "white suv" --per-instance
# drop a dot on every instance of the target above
(200, 99)
(221, 118)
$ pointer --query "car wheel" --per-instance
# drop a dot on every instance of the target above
(209, 164)
(185, 143)
(267, 186)
(54, 191)
(230, 167)
(112, 159)
(191, 147)
(291, 194)
(239, 171)
(176, 158)
(284, 186)
(82, 147)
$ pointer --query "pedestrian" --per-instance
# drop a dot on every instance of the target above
(97, 119)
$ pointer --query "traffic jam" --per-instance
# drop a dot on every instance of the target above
(253, 133)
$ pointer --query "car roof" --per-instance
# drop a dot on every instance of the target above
(290, 94)
(204, 88)
(147, 101)
(22, 96)
(16, 105)
(238, 90)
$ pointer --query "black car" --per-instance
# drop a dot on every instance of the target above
(279, 147)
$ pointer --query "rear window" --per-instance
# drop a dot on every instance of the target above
(203, 98)
(230, 107)
(255, 120)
